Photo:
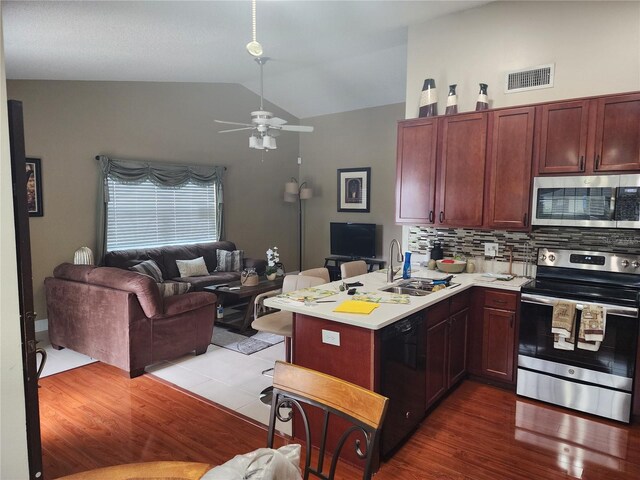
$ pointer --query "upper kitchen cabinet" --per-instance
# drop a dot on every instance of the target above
(617, 134)
(599, 135)
(509, 158)
(562, 137)
(416, 171)
(461, 170)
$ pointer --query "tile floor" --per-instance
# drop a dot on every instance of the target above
(223, 376)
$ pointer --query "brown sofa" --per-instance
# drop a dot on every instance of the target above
(166, 258)
(119, 317)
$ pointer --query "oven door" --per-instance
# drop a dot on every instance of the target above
(612, 366)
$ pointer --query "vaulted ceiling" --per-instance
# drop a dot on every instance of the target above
(327, 56)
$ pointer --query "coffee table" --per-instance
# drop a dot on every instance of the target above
(229, 296)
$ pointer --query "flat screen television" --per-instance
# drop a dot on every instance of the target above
(357, 240)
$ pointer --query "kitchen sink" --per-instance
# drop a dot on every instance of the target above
(405, 291)
(417, 287)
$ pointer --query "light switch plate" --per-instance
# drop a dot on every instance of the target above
(490, 249)
(330, 337)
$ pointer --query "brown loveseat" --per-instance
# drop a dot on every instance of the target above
(119, 317)
(166, 258)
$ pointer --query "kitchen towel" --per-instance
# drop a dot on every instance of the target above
(356, 306)
(594, 320)
(563, 325)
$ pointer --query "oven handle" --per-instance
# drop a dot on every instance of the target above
(611, 309)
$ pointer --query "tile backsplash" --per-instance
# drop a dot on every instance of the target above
(470, 242)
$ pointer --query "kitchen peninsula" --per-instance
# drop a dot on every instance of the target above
(454, 331)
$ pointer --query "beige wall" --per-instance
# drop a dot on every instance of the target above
(595, 47)
(13, 437)
(68, 123)
(361, 138)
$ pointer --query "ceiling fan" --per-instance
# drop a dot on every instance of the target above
(264, 126)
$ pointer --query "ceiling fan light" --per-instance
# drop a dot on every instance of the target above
(255, 142)
(269, 142)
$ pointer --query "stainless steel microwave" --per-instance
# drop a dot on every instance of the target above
(611, 201)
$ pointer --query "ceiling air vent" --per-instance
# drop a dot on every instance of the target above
(532, 78)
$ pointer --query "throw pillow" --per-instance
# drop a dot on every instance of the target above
(229, 261)
(192, 268)
(150, 269)
(167, 289)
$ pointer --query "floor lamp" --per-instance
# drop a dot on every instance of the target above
(294, 192)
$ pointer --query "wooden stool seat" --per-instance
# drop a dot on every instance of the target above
(146, 470)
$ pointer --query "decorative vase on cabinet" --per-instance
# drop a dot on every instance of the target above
(483, 99)
(429, 99)
(452, 101)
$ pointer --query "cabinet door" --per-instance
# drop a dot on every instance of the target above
(563, 137)
(617, 142)
(436, 361)
(498, 342)
(461, 171)
(458, 346)
(416, 171)
(510, 153)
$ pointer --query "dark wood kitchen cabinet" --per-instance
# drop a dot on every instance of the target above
(446, 345)
(416, 171)
(509, 158)
(440, 170)
(562, 137)
(591, 136)
(499, 335)
(461, 170)
(617, 134)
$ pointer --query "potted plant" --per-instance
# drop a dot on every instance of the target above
(273, 258)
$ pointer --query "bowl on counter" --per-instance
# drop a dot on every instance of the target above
(450, 265)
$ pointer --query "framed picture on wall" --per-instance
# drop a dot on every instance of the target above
(354, 187)
(34, 187)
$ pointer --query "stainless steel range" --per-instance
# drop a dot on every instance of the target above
(592, 378)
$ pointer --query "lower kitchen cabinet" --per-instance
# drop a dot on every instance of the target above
(492, 335)
(498, 342)
(446, 342)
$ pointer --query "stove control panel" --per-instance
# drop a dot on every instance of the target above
(587, 260)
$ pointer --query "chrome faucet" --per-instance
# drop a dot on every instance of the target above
(400, 258)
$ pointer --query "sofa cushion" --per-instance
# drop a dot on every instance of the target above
(230, 261)
(142, 286)
(168, 289)
(192, 268)
(150, 269)
(76, 273)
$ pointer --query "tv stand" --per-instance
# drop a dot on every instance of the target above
(333, 262)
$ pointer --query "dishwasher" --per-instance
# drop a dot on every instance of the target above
(403, 379)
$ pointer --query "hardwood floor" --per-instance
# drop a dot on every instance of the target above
(93, 417)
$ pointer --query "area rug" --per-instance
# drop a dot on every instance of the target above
(247, 344)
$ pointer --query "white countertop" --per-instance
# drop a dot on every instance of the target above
(388, 313)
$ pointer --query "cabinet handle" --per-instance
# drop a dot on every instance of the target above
(500, 301)
(441, 216)
(431, 216)
(582, 163)
(597, 161)
(525, 220)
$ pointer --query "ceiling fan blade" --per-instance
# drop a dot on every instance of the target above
(296, 128)
(275, 121)
(235, 129)
(233, 123)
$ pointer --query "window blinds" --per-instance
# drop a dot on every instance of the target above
(143, 214)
